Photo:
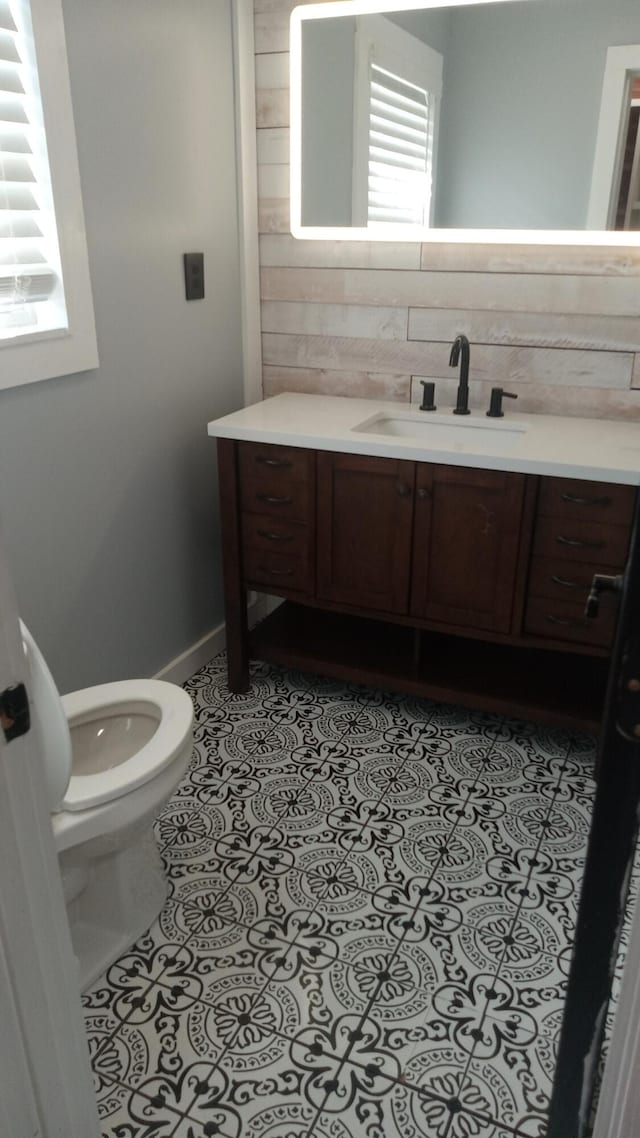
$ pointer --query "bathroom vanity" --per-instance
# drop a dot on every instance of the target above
(421, 554)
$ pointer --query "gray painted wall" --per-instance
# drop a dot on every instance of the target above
(433, 26)
(328, 48)
(531, 165)
(108, 491)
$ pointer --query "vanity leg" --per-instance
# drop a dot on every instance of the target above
(235, 595)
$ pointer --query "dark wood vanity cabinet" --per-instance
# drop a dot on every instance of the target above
(277, 510)
(466, 540)
(365, 519)
(447, 581)
(399, 537)
(581, 528)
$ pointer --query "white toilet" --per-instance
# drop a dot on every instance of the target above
(113, 756)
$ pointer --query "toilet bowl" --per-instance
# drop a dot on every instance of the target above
(113, 755)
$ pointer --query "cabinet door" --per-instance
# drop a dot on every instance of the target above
(465, 551)
(365, 508)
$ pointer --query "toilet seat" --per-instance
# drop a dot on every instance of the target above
(58, 722)
(168, 705)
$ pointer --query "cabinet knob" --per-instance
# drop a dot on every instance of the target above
(404, 490)
(423, 493)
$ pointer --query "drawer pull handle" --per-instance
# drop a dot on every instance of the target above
(281, 463)
(275, 500)
(566, 584)
(605, 501)
(581, 544)
(564, 621)
(276, 572)
(270, 535)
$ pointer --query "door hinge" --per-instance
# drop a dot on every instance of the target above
(15, 719)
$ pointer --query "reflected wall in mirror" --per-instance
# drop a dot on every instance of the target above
(515, 115)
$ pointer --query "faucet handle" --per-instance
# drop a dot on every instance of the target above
(495, 404)
(428, 393)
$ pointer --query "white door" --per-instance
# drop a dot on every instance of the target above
(45, 1077)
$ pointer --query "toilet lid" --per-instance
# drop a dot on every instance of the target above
(49, 722)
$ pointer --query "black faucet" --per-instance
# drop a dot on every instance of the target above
(461, 345)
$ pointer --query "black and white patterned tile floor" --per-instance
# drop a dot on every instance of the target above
(372, 900)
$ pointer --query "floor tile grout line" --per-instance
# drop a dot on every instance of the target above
(490, 750)
(268, 980)
(458, 821)
(537, 849)
(145, 992)
(407, 759)
(123, 1023)
(271, 730)
(136, 1090)
(449, 836)
(233, 924)
(255, 855)
(499, 966)
(496, 976)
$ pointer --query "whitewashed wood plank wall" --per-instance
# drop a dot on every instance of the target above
(558, 326)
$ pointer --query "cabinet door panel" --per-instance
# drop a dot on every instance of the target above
(466, 540)
(365, 508)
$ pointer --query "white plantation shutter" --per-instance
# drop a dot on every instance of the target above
(31, 293)
(401, 136)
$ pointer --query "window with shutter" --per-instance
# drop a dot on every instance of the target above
(46, 310)
(401, 127)
(31, 290)
(397, 89)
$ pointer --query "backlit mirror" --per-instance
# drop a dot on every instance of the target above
(496, 120)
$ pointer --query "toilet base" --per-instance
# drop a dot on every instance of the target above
(123, 895)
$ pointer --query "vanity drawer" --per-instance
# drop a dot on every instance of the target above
(277, 481)
(263, 532)
(575, 499)
(565, 620)
(279, 571)
(576, 540)
(564, 580)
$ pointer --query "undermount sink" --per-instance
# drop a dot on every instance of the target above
(446, 433)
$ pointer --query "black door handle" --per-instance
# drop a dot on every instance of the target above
(602, 583)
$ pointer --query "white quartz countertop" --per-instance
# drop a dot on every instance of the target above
(604, 450)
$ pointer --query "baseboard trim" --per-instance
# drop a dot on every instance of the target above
(182, 667)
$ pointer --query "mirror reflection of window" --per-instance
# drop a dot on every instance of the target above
(398, 87)
(400, 167)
